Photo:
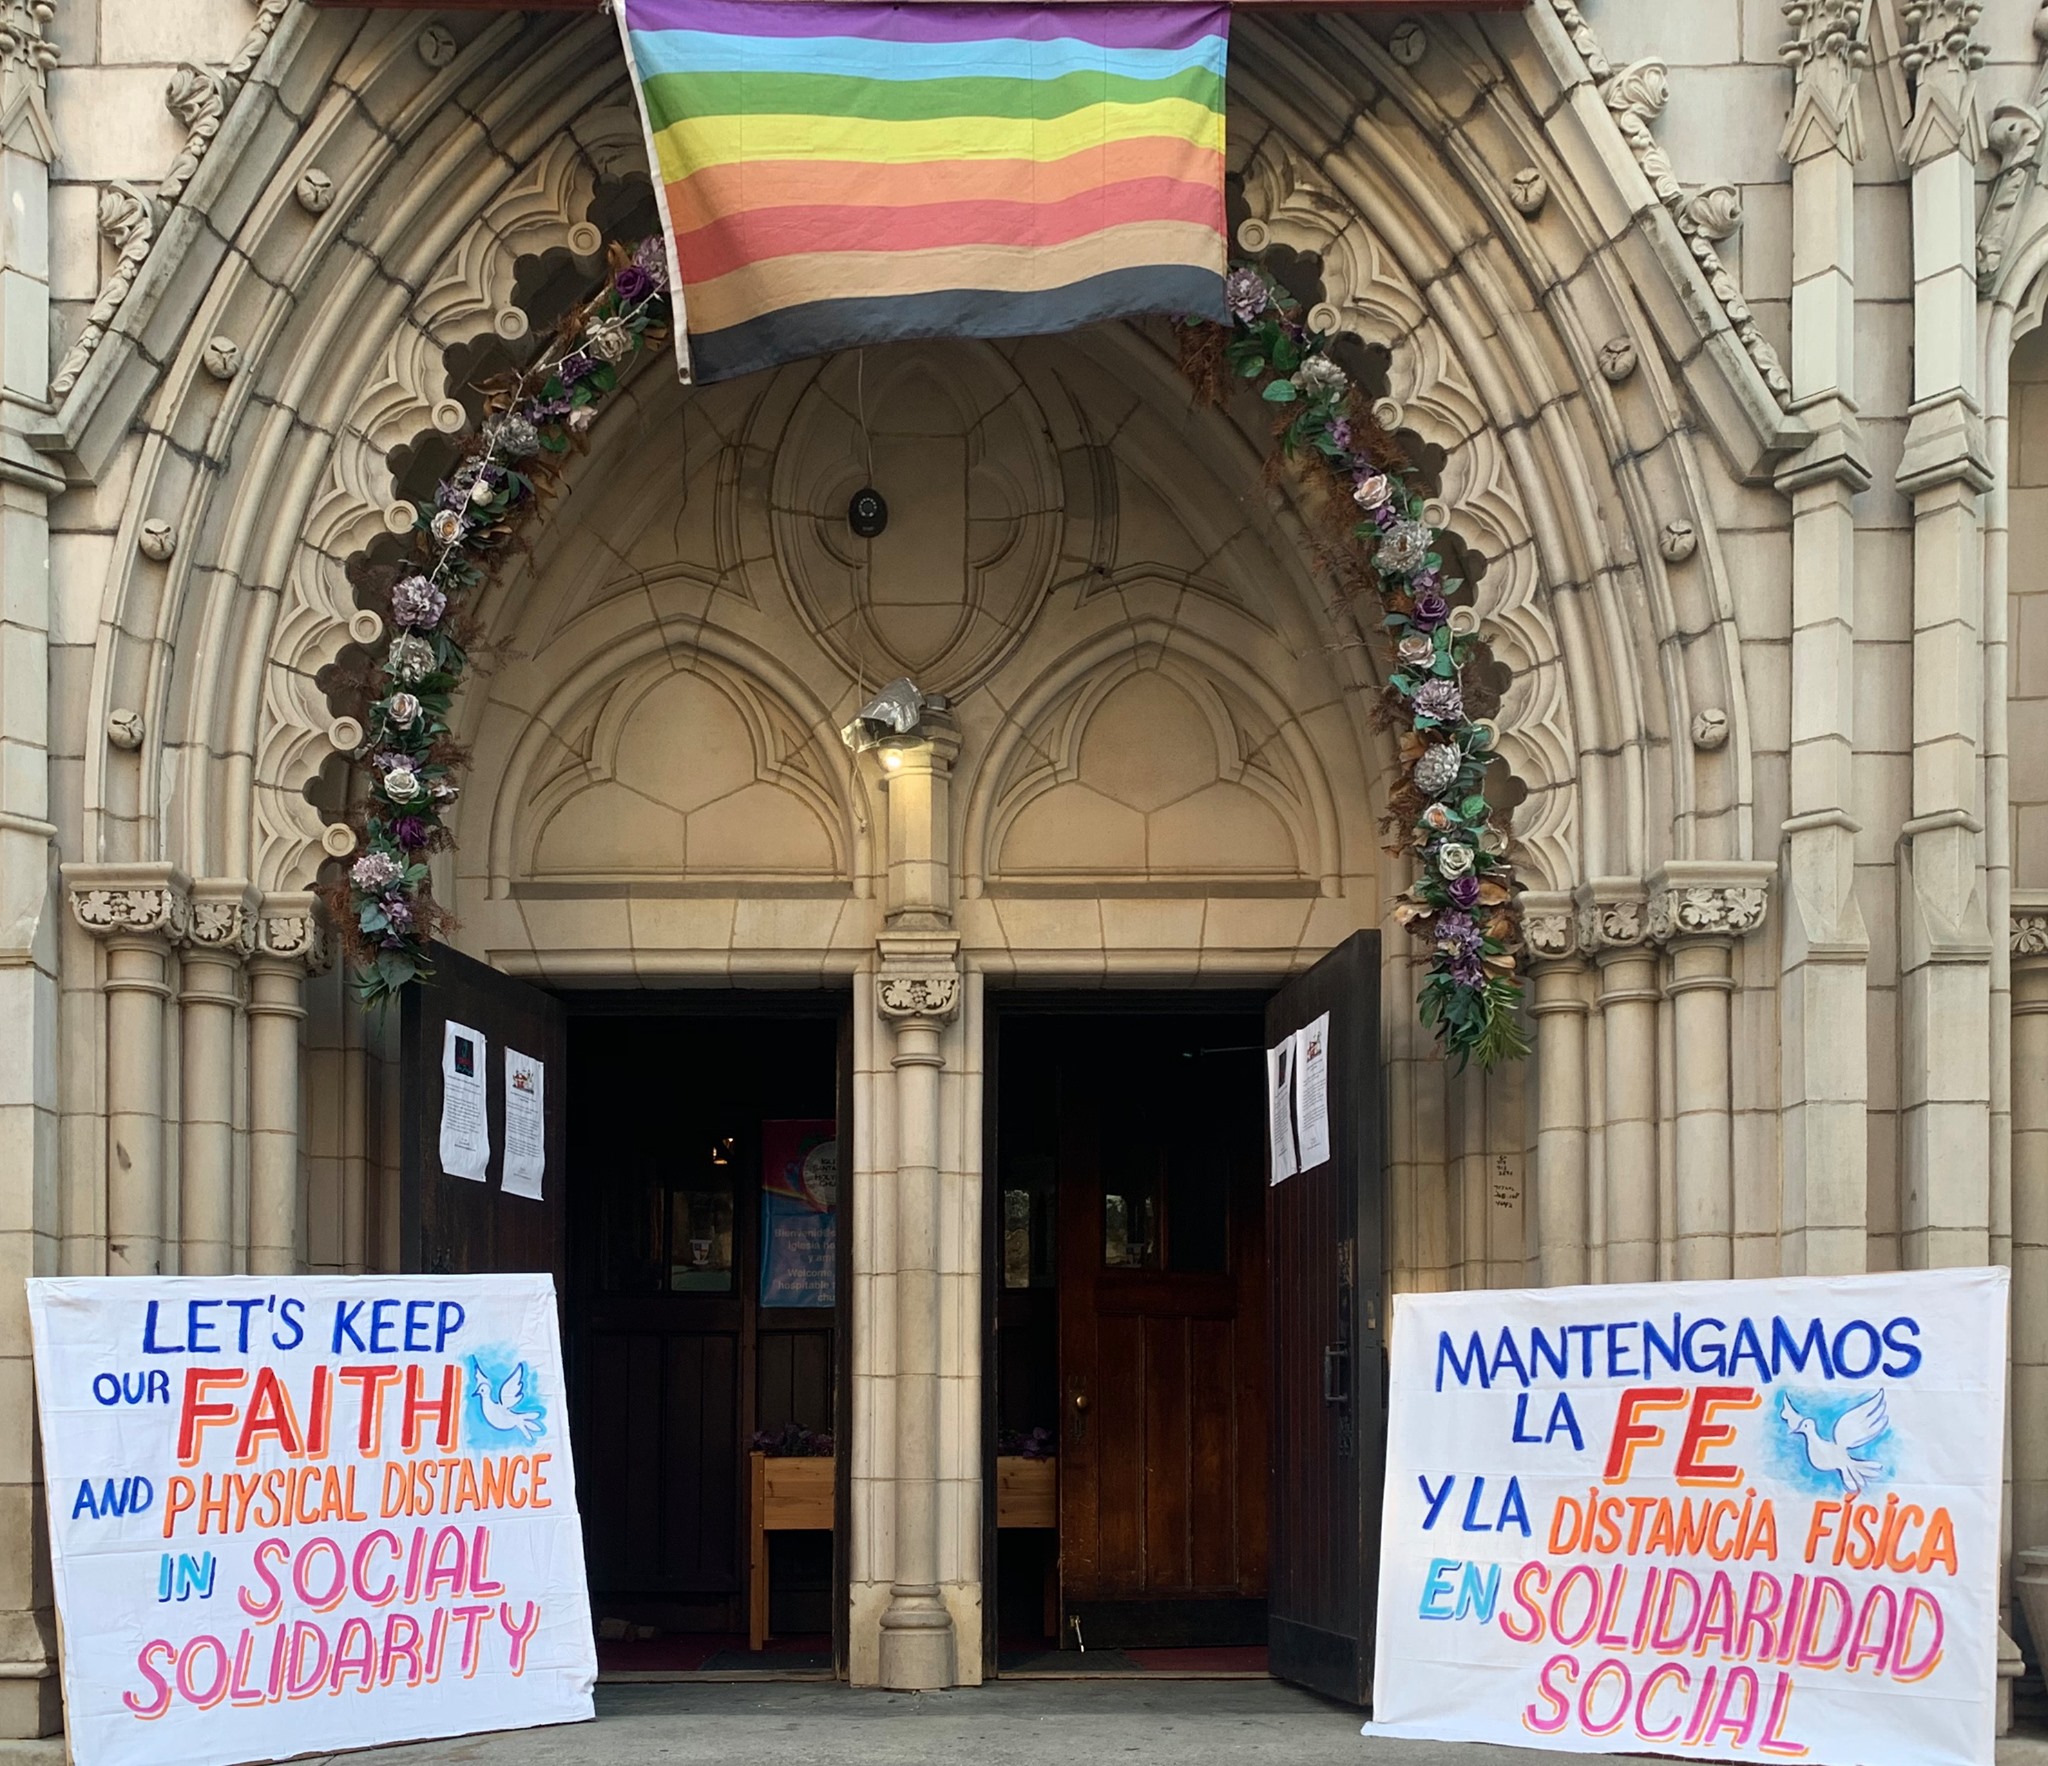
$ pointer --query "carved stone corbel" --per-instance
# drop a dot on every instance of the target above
(1708, 899)
(1550, 925)
(1613, 916)
(289, 928)
(222, 917)
(130, 901)
(932, 993)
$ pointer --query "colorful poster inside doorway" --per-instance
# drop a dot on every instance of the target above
(308, 1513)
(799, 1213)
(1722, 1520)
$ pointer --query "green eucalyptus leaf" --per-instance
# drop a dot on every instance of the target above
(1279, 392)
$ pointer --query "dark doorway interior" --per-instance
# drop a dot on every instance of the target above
(702, 1287)
(1129, 1286)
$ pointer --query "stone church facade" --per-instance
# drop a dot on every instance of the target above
(1724, 324)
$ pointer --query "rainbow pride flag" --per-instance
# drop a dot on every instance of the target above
(839, 174)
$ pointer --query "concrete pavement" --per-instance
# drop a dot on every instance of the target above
(1014, 1722)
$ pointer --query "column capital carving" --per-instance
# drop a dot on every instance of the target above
(919, 978)
(129, 900)
(1941, 56)
(222, 916)
(1613, 916)
(1550, 925)
(1709, 898)
(1828, 50)
(287, 928)
(2029, 930)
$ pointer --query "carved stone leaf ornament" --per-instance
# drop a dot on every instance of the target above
(1705, 909)
(2030, 935)
(198, 97)
(935, 994)
(1635, 96)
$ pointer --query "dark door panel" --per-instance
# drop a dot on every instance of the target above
(1325, 1229)
(453, 1225)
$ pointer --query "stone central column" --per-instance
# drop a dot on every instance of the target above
(917, 990)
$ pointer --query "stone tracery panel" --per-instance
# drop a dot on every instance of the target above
(1146, 764)
(951, 583)
(695, 772)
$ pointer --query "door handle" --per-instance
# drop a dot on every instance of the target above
(1336, 1373)
(1080, 1400)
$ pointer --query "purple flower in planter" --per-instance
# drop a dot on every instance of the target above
(632, 284)
(1463, 890)
(1430, 610)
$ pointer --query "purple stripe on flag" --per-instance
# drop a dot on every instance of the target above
(1113, 27)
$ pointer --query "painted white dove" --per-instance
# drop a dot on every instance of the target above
(501, 1410)
(1853, 1429)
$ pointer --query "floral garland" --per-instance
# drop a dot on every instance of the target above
(385, 908)
(1463, 901)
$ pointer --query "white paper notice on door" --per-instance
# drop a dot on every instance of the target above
(1312, 1092)
(526, 1145)
(465, 1125)
(1280, 1109)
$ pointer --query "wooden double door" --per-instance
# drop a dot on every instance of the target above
(1196, 1333)
(1131, 1138)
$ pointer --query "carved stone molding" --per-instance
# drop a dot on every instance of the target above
(129, 901)
(1612, 915)
(222, 917)
(289, 928)
(1635, 97)
(2015, 136)
(1550, 925)
(1709, 899)
(199, 97)
(931, 993)
(2029, 930)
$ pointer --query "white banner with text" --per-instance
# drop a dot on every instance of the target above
(1749, 1520)
(309, 1513)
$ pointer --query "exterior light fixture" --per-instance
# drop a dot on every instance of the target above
(897, 710)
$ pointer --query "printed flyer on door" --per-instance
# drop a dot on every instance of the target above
(1725, 1520)
(311, 1512)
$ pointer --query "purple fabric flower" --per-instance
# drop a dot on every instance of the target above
(1245, 294)
(1469, 972)
(416, 602)
(632, 284)
(1463, 890)
(1430, 610)
(1457, 928)
(410, 832)
(1440, 700)
(576, 366)
(650, 258)
(1340, 432)
(548, 410)
(399, 912)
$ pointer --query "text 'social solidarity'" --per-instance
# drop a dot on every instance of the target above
(446, 1615)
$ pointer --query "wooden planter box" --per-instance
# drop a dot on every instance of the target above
(789, 1496)
(1027, 1492)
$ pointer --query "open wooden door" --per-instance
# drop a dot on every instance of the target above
(457, 1225)
(1324, 1230)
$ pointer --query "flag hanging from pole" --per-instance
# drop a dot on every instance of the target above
(836, 174)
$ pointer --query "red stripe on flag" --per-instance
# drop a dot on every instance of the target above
(758, 235)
